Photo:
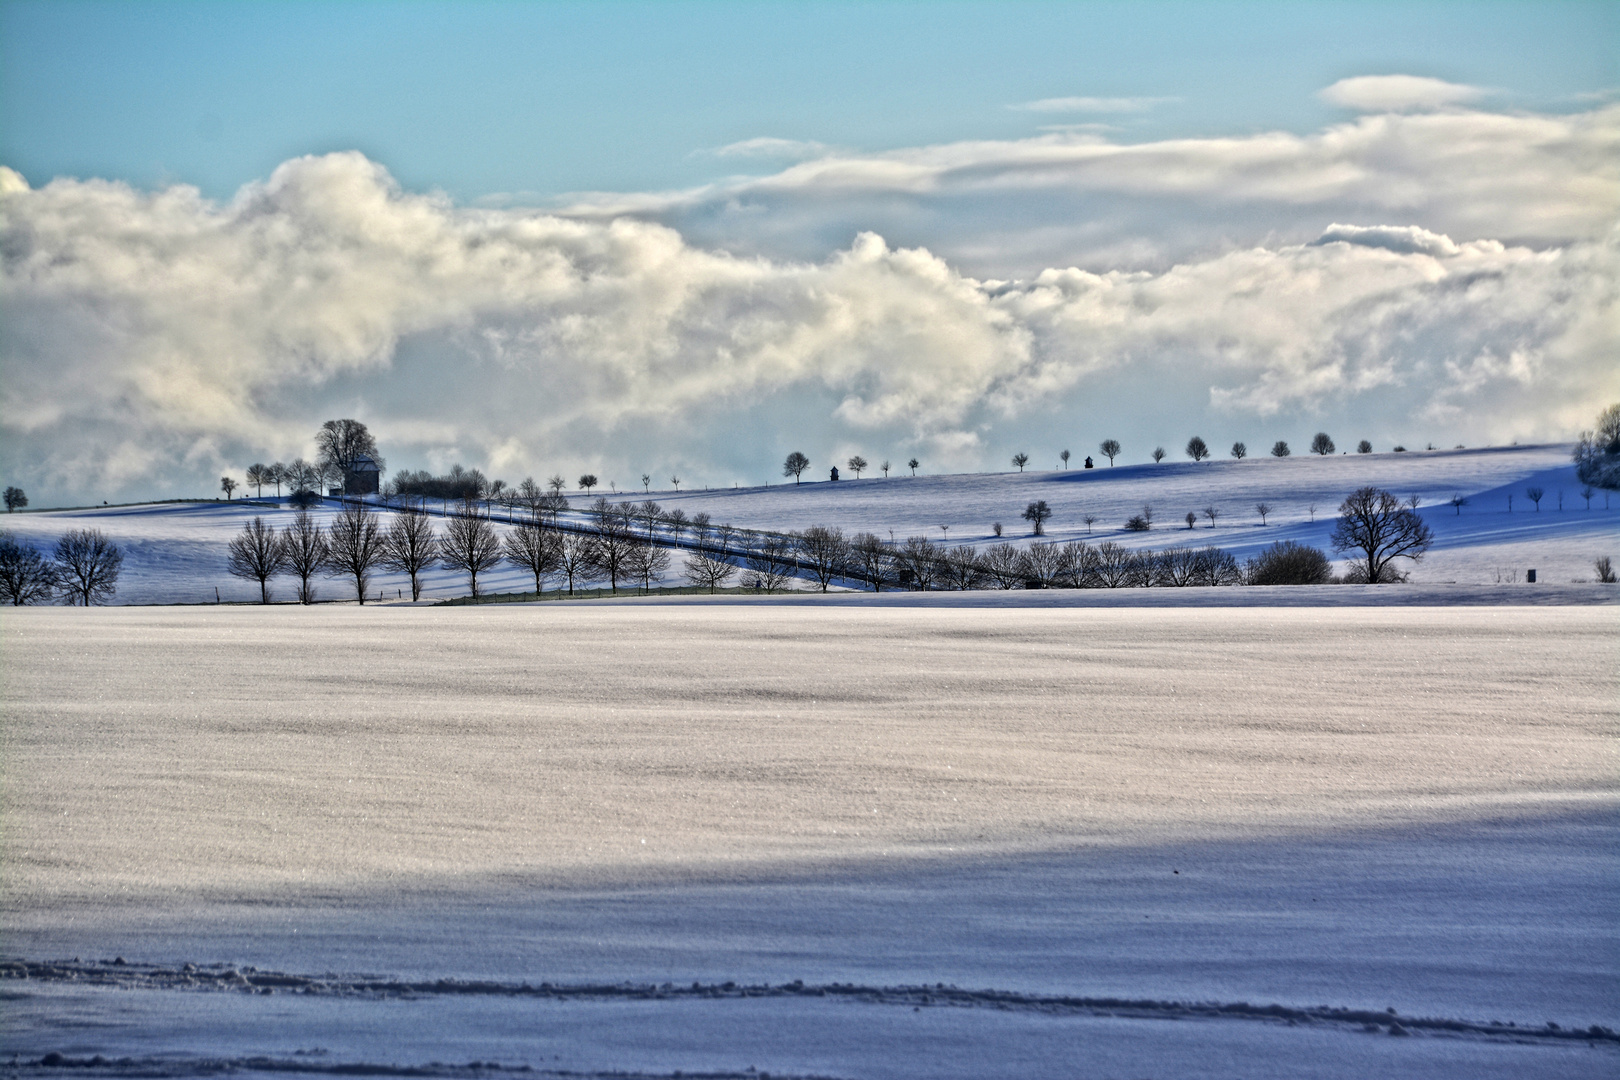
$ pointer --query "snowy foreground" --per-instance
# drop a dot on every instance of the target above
(175, 553)
(840, 840)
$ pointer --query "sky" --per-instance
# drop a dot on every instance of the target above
(686, 239)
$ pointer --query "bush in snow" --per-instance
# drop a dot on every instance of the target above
(1288, 563)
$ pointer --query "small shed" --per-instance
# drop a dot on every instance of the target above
(362, 477)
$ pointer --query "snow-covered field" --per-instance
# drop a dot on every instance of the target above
(1087, 820)
(175, 553)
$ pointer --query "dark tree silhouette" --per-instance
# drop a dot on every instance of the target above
(1158, 455)
(469, 545)
(1240, 451)
(1064, 457)
(26, 577)
(411, 546)
(869, 559)
(913, 463)
(87, 566)
(1363, 447)
(15, 499)
(708, 572)
(794, 466)
(588, 481)
(857, 465)
(1321, 444)
(1279, 449)
(576, 558)
(1459, 501)
(770, 562)
(1110, 449)
(354, 541)
(1535, 495)
(340, 442)
(305, 547)
(1020, 460)
(1197, 448)
(1288, 563)
(1597, 452)
(1037, 513)
(1382, 528)
(826, 551)
(227, 485)
(1262, 509)
(256, 554)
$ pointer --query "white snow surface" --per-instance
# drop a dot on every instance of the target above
(175, 553)
(1378, 807)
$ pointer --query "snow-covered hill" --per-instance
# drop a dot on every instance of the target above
(175, 552)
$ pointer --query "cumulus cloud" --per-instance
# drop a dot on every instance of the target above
(1396, 93)
(154, 337)
(1446, 275)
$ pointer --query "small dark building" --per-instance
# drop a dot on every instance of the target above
(363, 477)
(835, 472)
(1088, 463)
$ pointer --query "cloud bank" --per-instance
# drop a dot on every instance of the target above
(153, 340)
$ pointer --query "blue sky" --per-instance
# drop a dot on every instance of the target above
(478, 99)
(692, 237)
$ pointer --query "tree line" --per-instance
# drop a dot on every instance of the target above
(82, 569)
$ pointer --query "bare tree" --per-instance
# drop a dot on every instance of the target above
(1363, 447)
(576, 558)
(26, 577)
(1383, 528)
(1239, 451)
(1003, 563)
(614, 537)
(1288, 563)
(1020, 460)
(1459, 501)
(1090, 520)
(1110, 449)
(676, 481)
(1064, 457)
(1262, 508)
(885, 467)
(1279, 449)
(769, 558)
(645, 561)
(795, 465)
(15, 499)
(469, 544)
(1587, 493)
(1044, 564)
(256, 554)
(1114, 566)
(646, 482)
(587, 481)
(303, 480)
(1037, 513)
(1192, 519)
(1158, 455)
(870, 561)
(555, 484)
(1212, 512)
(701, 528)
(1197, 448)
(87, 566)
(917, 563)
(535, 548)
(340, 443)
(354, 541)
(227, 485)
(276, 474)
(707, 572)
(1322, 445)
(1597, 452)
(304, 545)
(1535, 495)
(825, 550)
(676, 522)
(411, 546)
(1605, 570)
(649, 513)
(257, 477)
(912, 465)
(857, 465)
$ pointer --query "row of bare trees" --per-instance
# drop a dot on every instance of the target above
(82, 569)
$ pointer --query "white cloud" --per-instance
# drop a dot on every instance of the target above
(1398, 93)
(1450, 276)
(1093, 104)
(777, 149)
